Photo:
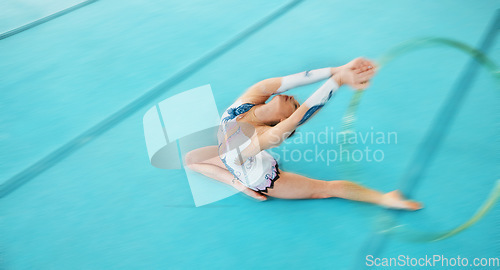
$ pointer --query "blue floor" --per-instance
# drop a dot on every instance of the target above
(103, 206)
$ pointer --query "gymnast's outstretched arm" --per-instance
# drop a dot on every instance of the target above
(356, 73)
(261, 91)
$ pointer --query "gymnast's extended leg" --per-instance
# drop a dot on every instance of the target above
(206, 161)
(295, 186)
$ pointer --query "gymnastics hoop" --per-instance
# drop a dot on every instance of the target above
(388, 225)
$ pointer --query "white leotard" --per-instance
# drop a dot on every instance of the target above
(258, 172)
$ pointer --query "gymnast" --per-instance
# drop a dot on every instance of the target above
(250, 126)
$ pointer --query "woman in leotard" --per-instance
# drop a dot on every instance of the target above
(250, 126)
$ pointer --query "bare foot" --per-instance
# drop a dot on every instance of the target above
(252, 193)
(395, 200)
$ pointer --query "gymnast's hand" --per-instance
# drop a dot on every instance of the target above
(356, 73)
(250, 192)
